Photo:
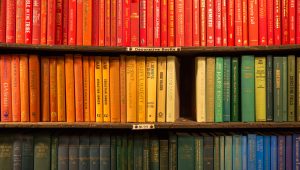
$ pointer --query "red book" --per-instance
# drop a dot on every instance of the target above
(253, 22)
(143, 23)
(101, 23)
(179, 22)
(224, 22)
(277, 22)
(230, 22)
(79, 23)
(218, 23)
(15, 88)
(292, 21)
(164, 23)
(6, 110)
(113, 28)
(285, 22)
(196, 23)
(119, 23)
(10, 21)
(238, 23)
(156, 23)
(262, 22)
(188, 23)
(171, 24)
(95, 23)
(87, 23)
(72, 22)
(58, 22)
(270, 22)
(107, 23)
(28, 21)
(43, 22)
(298, 23)
(20, 21)
(134, 22)
(2, 20)
(150, 21)
(51, 13)
(65, 21)
(245, 23)
(203, 22)
(210, 23)
(36, 22)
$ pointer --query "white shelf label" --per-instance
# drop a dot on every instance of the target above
(153, 49)
(143, 126)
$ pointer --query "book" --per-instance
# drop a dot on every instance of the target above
(269, 87)
(123, 88)
(79, 22)
(285, 22)
(161, 88)
(20, 20)
(236, 152)
(17, 151)
(163, 154)
(74, 152)
(42, 151)
(219, 74)
(45, 89)
(217, 152)
(138, 151)
(156, 23)
(131, 88)
(126, 23)
(34, 88)
(251, 151)
(143, 23)
(226, 89)
(171, 22)
(119, 23)
(260, 88)
(114, 77)
(27, 152)
(6, 152)
(284, 88)
(87, 22)
(288, 152)
(70, 88)
(277, 83)
(291, 88)
(218, 23)
(186, 148)
(63, 152)
(151, 86)
(259, 152)
(154, 152)
(281, 157)
(54, 151)
(61, 95)
(58, 22)
(10, 21)
(210, 89)
(51, 23)
(78, 79)
(173, 143)
(228, 152)
(106, 89)
(84, 152)
(277, 22)
(6, 105)
(92, 92)
(235, 90)
(95, 22)
(72, 23)
(210, 22)
(238, 22)
(230, 23)
(15, 88)
(28, 20)
(188, 23)
(208, 152)
(24, 88)
(267, 152)
(196, 23)
(105, 151)
(53, 89)
(245, 22)
(86, 88)
(270, 22)
(200, 63)
(253, 22)
(99, 89)
(141, 88)
(262, 22)
(134, 22)
(179, 24)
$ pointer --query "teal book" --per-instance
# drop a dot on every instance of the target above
(105, 151)
(164, 153)
(113, 152)
(237, 152)
(251, 151)
(74, 152)
(198, 152)
(94, 152)
(247, 91)
(138, 151)
(222, 152)
(27, 152)
(146, 151)
(154, 152)
(186, 151)
(284, 82)
(124, 153)
(54, 147)
(235, 90)
(216, 153)
(130, 152)
(277, 83)
(244, 152)
(219, 90)
(42, 146)
(228, 152)
(172, 151)
(6, 152)
(84, 152)
(17, 152)
(63, 152)
(227, 89)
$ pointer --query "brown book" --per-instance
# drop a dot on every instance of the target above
(45, 88)
(61, 95)
(34, 88)
(114, 77)
(210, 89)
(53, 89)
(70, 95)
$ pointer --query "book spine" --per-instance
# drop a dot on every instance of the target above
(210, 89)
(216, 152)
(284, 92)
(79, 22)
(106, 90)
(208, 152)
(105, 152)
(113, 152)
(20, 21)
(53, 89)
(277, 75)
(222, 152)
(245, 22)
(92, 91)
(281, 152)
(119, 22)
(210, 23)
(163, 154)
(72, 24)
(43, 22)
(17, 152)
(102, 22)
(138, 152)
(126, 23)
(292, 21)
(63, 152)
(74, 152)
(114, 78)
(285, 22)
(70, 96)
(134, 23)
(24, 88)
(230, 22)
(141, 88)
(98, 86)
(171, 23)
(84, 152)
(42, 151)
(244, 152)
(143, 23)
(186, 151)
(259, 152)
(65, 20)
(224, 22)
(218, 22)
(113, 24)
(270, 21)
(188, 23)
(6, 105)
(151, 76)
(296, 144)
(28, 21)
(291, 88)
(173, 151)
(179, 24)
(260, 88)
(3, 21)
(34, 88)
(226, 89)
(58, 22)
(154, 153)
(297, 23)
(54, 145)
(94, 152)
(130, 154)
(228, 150)
(45, 89)
(146, 151)
(251, 151)
(203, 17)
(161, 90)
(196, 23)
(78, 79)
(298, 91)
(164, 23)
(235, 99)
(95, 22)
(10, 21)
(61, 95)
(51, 11)
(219, 110)
(288, 152)
(131, 89)
(123, 89)
(269, 88)
(150, 22)
(27, 152)
(277, 22)
(262, 22)
(86, 89)
(253, 22)
(200, 89)
(237, 152)
(156, 23)
(238, 22)
(267, 152)
(36, 22)
(15, 86)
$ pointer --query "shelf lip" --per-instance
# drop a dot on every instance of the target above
(176, 125)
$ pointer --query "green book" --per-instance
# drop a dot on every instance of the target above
(198, 152)
(172, 151)
(228, 152)
(291, 88)
(186, 151)
(74, 152)
(27, 152)
(284, 88)
(113, 152)
(119, 152)
(154, 153)
(146, 151)
(235, 90)
(222, 152)
(226, 89)
(163, 153)
(237, 152)
(63, 153)
(6, 152)
(54, 147)
(247, 92)
(124, 153)
(42, 145)
(216, 153)
(219, 90)
(130, 152)
(278, 96)
(138, 151)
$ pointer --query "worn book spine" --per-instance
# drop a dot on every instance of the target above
(284, 92)
(106, 91)
(36, 22)
(141, 88)
(202, 26)
(27, 152)
(298, 90)
(164, 23)
(45, 89)
(114, 66)
(260, 88)
(156, 23)
(163, 154)
(277, 22)
(54, 145)
(70, 88)
(226, 89)
(219, 110)
(24, 88)
(222, 152)
(74, 152)
(78, 79)
(11, 21)
(63, 152)
(173, 151)
(28, 21)
(34, 88)
(113, 153)
(51, 15)
(269, 88)
(196, 22)
(3, 21)
(20, 21)
(161, 88)
(6, 105)
(6, 152)
(42, 151)
(208, 152)
(245, 22)
(186, 151)
(244, 152)
(79, 22)
(131, 88)
(210, 89)
(210, 25)
(235, 90)
(143, 23)
(296, 151)
(251, 151)
(134, 22)
(291, 88)
(228, 152)
(95, 22)
(200, 89)
(61, 94)
(84, 152)
(65, 20)
(285, 22)
(188, 23)
(15, 88)
(99, 87)
(105, 152)
(58, 22)
(288, 152)
(151, 76)
(119, 23)
(259, 152)
(87, 22)
(146, 151)
(123, 88)
(277, 75)
(53, 89)
(86, 88)
(262, 22)
(218, 23)
(126, 23)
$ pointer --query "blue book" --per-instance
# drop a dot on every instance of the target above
(296, 151)
(251, 154)
(273, 152)
(105, 151)
(288, 152)
(259, 152)
(237, 152)
(267, 152)
(244, 152)
(281, 152)
(226, 89)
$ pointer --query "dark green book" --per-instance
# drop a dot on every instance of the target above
(74, 152)
(219, 90)
(208, 152)
(6, 152)
(228, 152)
(291, 88)
(130, 153)
(237, 152)
(247, 92)
(17, 152)
(154, 153)
(222, 152)
(172, 151)
(42, 145)
(113, 152)
(198, 152)
(138, 151)
(216, 153)
(235, 90)
(119, 151)
(105, 151)
(27, 152)
(284, 89)
(94, 152)
(163, 154)
(84, 152)
(54, 147)
(269, 88)
(124, 153)
(63, 152)
(227, 89)
(146, 151)
(186, 151)
(278, 98)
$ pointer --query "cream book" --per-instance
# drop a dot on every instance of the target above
(161, 88)
(151, 74)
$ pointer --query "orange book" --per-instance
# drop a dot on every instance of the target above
(98, 86)
(87, 22)
(123, 88)
(34, 88)
(78, 88)
(6, 115)
(45, 88)
(92, 89)
(114, 77)
(15, 88)
(24, 88)
(131, 88)
(70, 96)
(61, 95)
(53, 89)
(86, 89)
(101, 23)
(107, 23)
(79, 22)
(141, 88)
(106, 100)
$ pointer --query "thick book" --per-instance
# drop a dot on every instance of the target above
(298, 90)
(226, 89)
(151, 76)
(269, 87)
(6, 105)
(154, 152)
(291, 88)
(114, 77)
(208, 152)
(10, 21)
(15, 88)
(163, 154)
(28, 21)
(200, 64)
(86, 88)
(260, 88)
(45, 89)
(34, 88)
(235, 90)
(84, 152)
(186, 153)
(259, 152)
(228, 152)
(61, 94)
(87, 22)
(251, 151)
(210, 89)
(78, 79)
(74, 152)
(131, 88)
(24, 88)
(196, 22)
(141, 88)
(53, 89)
(143, 23)
(51, 15)
(219, 109)
(270, 22)
(106, 90)
(70, 88)
(63, 152)
(99, 89)
(27, 152)
(105, 151)
(236, 152)
(285, 22)
(17, 152)
(92, 106)
(161, 88)
(277, 83)
(126, 23)
(36, 21)
(72, 22)
(42, 150)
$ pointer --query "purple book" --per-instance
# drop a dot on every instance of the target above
(288, 152)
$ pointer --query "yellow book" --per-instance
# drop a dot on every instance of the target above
(260, 88)
(161, 88)
(172, 100)
(151, 66)
(131, 88)
(210, 89)
(141, 88)
(200, 89)
(61, 89)
(98, 86)
(106, 104)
